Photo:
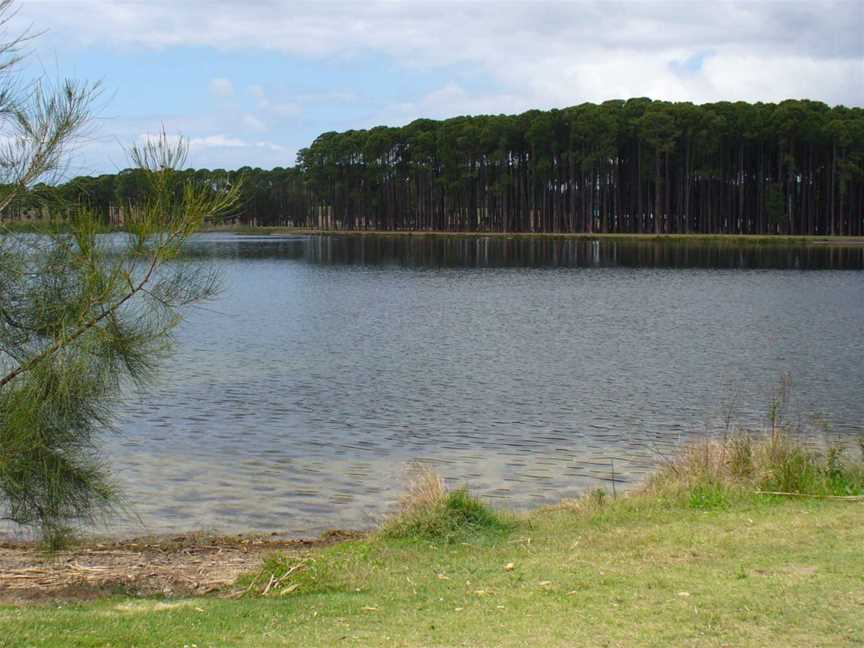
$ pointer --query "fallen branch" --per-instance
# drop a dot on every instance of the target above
(293, 569)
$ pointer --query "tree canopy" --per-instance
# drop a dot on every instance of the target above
(795, 167)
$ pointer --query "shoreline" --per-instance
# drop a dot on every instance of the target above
(695, 237)
(758, 239)
(180, 539)
(186, 564)
(618, 566)
(740, 523)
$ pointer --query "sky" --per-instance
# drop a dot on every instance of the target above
(249, 83)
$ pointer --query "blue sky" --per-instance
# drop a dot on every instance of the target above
(252, 107)
(251, 83)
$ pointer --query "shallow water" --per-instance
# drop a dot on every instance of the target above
(529, 369)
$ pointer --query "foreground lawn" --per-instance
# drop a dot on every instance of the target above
(636, 573)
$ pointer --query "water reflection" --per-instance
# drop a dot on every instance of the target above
(498, 252)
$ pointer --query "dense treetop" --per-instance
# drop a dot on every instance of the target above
(795, 167)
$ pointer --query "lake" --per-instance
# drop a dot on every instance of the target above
(529, 369)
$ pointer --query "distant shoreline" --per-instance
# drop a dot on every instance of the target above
(266, 230)
(760, 239)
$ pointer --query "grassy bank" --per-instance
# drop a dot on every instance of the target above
(708, 238)
(757, 574)
(698, 557)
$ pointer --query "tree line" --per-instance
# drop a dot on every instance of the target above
(267, 197)
(795, 167)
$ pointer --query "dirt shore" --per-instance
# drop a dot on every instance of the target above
(182, 565)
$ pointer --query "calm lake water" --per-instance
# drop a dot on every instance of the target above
(523, 368)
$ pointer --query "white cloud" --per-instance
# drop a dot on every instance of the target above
(251, 122)
(221, 88)
(208, 141)
(542, 53)
(493, 57)
(271, 146)
(218, 141)
(452, 99)
(226, 152)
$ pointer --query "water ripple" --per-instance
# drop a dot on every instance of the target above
(527, 370)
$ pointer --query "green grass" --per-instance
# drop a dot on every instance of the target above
(639, 571)
(431, 513)
(697, 557)
(711, 472)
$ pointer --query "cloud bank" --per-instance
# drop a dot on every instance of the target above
(541, 52)
(525, 54)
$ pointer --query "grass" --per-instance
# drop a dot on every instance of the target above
(696, 558)
(632, 573)
(429, 512)
(716, 471)
(777, 460)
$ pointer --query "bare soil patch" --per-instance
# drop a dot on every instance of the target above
(170, 566)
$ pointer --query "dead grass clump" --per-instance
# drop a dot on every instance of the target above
(776, 461)
(429, 511)
(425, 491)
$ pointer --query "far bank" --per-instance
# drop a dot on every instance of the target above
(732, 239)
